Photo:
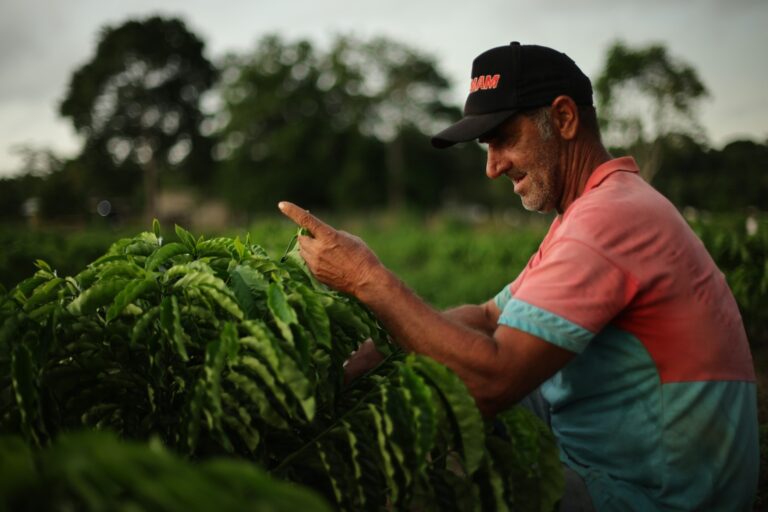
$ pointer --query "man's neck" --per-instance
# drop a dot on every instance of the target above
(582, 157)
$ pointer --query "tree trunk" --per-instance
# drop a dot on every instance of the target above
(652, 160)
(395, 172)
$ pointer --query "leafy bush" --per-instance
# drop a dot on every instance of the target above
(214, 348)
(67, 252)
(743, 258)
(96, 471)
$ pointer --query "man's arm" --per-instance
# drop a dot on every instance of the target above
(498, 368)
(482, 317)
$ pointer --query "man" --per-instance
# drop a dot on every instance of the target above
(621, 317)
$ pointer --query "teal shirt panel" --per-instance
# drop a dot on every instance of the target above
(641, 444)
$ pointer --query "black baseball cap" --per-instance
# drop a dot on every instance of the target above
(508, 79)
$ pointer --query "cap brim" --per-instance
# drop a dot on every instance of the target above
(470, 128)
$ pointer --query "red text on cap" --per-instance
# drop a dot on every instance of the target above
(484, 82)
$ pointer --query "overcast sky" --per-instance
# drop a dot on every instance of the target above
(43, 41)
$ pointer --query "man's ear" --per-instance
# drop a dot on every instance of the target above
(565, 117)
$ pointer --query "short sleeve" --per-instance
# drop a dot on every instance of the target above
(502, 298)
(569, 296)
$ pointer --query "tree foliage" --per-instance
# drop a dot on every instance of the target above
(729, 179)
(645, 94)
(333, 128)
(137, 101)
(216, 349)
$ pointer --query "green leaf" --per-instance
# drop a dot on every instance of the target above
(200, 316)
(528, 458)
(490, 485)
(283, 367)
(195, 275)
(186, 238)
(224, 300)
(315, 315)
(43, 265)
(165, 253)
(205, 282)
(466, 419)
(170, 322)
(27, 286)
(41, 313)
(156, 227)
(44, 293)
(216, 247)
(239, 248)
(344, 314)
(256, 368)
(237, 418)
(399, 433)
(257, 398)
(335, 471)
(141, 247)
(144, 323)
(423, 413)
(292, 245)
(282, 313)
(100, 294)
(388, 468)
(351, 443)
(24, 381)
(250, 289)
(120, 270)
(132, 291)
(217, 353)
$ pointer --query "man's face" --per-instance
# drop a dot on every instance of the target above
(519, 151)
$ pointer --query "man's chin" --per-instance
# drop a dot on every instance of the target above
(537, 208)
(532, 206)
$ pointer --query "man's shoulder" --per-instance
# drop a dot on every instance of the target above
(623, 208)
(622, 196)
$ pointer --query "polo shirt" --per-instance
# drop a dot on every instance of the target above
(658, 409)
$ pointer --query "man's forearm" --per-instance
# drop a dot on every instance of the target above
(473, 316)
(367, 356)
(470, 351)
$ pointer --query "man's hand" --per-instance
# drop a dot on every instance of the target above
(364, 359)
(336, 258)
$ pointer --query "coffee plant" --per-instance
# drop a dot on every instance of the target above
(212, 348)
(96, 471)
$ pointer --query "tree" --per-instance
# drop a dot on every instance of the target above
(329, 128)
(137, 102)
(644, 95)
(287, 126)
(405, 93)
(725, 180)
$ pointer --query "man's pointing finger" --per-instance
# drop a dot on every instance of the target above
(304, 219)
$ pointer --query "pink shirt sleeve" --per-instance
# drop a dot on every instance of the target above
(577, 283)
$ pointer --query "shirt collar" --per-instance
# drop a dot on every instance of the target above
(625, 163)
